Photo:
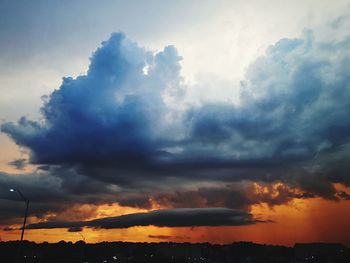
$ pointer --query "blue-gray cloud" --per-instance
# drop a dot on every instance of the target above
(110, 114)
(118, 125)
(294, 103)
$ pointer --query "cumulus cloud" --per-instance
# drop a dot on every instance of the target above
(181, 217)
(294, 103)
(125, 129)
(113, 113)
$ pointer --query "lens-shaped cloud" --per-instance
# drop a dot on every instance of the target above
(181, 217)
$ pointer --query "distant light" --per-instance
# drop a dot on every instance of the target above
(12, 190)
(145, 70)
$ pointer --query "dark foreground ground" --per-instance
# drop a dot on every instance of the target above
(67, 252)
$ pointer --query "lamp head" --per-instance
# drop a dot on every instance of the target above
(12, 190)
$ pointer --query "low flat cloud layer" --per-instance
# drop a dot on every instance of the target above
(181, 217)
(124, 132)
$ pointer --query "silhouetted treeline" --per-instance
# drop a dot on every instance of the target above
(106, 252)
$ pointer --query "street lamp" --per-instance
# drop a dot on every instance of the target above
(26, 212)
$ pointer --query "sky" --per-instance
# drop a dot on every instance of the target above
(186, 121)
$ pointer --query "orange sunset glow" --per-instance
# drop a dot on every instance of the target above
(307, 216)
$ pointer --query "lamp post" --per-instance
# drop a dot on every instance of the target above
(26, 211)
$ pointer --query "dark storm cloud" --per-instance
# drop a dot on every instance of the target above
(19, 164)
(236, 195)
(181, 217)
(116, 127)
(294, 104)
(108, 114)
(50, 194)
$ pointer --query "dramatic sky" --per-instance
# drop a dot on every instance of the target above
(187, 121)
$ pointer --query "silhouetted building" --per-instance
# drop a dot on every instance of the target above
(126, 252)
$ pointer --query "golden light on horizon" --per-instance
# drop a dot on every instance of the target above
(301, 220)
